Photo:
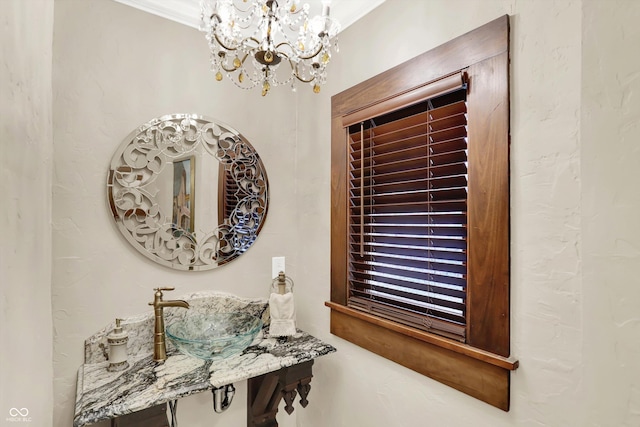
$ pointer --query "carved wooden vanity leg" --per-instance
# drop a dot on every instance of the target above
(303, 388)
(295, 378)
(265, 392)
(289, 394)
(263, 397)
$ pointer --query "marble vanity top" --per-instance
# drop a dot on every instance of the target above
(101, 394)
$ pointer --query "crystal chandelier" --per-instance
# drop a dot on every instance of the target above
(268, 42)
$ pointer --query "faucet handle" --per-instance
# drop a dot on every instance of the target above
(158, 294)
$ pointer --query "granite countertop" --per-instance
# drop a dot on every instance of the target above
(101, 394)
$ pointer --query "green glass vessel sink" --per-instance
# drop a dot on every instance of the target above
(214, 336)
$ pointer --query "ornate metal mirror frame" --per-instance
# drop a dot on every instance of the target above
(180, 216)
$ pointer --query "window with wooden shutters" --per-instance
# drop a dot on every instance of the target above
(407, 219)
(420, 214)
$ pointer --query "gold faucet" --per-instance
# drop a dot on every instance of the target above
(159, 343)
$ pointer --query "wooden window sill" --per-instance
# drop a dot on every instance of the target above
(478, 373)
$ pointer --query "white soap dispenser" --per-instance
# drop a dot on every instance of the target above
(117, 340)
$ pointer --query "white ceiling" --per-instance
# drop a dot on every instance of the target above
(187, 12)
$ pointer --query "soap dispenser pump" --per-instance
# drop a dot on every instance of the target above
(117, 340)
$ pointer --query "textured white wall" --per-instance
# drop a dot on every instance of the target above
(26, 145)
(575, 243)
(575, 113)
(610, 155)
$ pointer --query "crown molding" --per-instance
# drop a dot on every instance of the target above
(187, 12)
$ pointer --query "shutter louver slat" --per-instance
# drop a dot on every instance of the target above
(408, 317)
(407, 220)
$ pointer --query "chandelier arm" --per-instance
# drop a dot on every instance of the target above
(244, 58)
(301, 57)
(297, 76)
(233, 49)
(294, 69)
(241, 10)
(215, 36)
(229, 70)
(295, 12)
(301, 79)
(254, 39)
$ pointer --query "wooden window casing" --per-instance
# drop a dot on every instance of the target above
(470, 350)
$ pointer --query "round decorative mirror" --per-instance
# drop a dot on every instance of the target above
(188, 192)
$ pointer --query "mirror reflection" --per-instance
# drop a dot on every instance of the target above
(188, 192)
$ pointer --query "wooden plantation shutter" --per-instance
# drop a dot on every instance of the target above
(407, 216)
(431, 277)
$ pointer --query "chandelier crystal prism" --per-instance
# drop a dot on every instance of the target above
(269, 43)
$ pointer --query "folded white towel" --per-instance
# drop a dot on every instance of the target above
(283, 315)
